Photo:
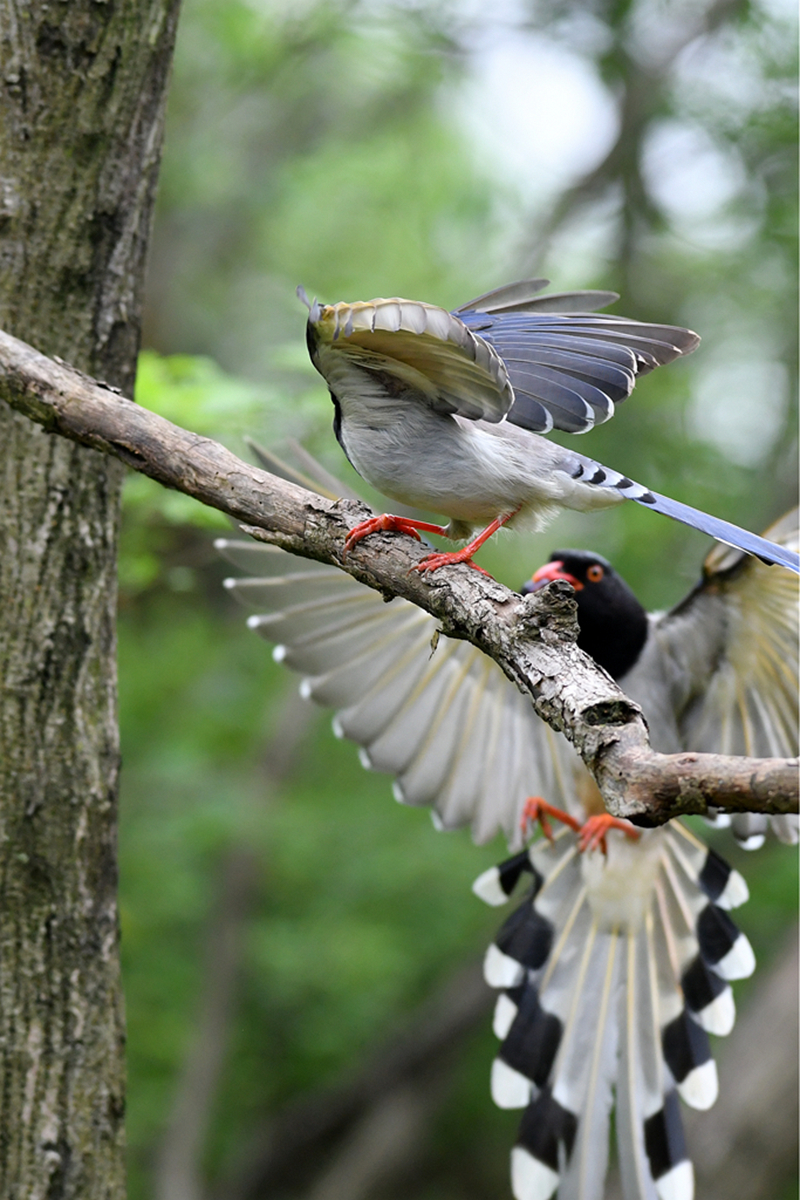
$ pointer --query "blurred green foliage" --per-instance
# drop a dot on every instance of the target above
(326, 143)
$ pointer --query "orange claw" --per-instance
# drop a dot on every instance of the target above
(388, 524)
(592, 834)
(432, 562)
(537, 809)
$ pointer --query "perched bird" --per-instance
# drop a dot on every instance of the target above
(442, 411)
(717, 673)
(617, 965)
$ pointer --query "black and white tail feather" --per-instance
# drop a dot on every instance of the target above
(611, 973)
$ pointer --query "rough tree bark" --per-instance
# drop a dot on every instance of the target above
(81, 121)
(532, 638)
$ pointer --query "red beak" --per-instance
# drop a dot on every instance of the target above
(549, 572)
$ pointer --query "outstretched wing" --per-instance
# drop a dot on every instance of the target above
(567, 366)
(543, 362)
(434, 712)
(730, 654)
(443, 719)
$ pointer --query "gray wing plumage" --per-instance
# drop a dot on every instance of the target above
(446, 722)
(567, 366)
(727, 658)
(541, 362)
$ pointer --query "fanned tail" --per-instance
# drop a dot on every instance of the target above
(612, 973)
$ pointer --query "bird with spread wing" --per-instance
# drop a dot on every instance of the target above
(443, 411)
(618, 963)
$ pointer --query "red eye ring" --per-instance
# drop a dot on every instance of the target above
(595, 573)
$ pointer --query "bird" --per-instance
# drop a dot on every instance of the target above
(616, 966)
(444, 410)
(703, 684)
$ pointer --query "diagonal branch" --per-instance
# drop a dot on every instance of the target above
(532, 638)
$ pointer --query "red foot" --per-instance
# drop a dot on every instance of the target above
(432, 562)
(388, 524)
(592, 835)
(537, 809)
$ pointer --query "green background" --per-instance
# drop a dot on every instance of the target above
(333, 144)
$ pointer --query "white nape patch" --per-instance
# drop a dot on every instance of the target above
(700, 1088)
(499, 970)
(739, 962)
(736, 892)
(534, 1180)
(279, 653)
(753, 843)
(336, 726)
(364, 758)
(677, 1184)
(229, 582)
(509, 1088)
(398, 793)
(719, 1016)
(306, 689)
(504, 1013)
(487, 887)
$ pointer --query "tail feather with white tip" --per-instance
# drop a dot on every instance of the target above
(612, 973)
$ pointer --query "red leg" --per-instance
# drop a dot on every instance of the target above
(432, 562)
(389, 524)
(537, 809)
(593, 832)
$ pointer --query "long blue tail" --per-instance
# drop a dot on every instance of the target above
(589, 471)
(723, 531)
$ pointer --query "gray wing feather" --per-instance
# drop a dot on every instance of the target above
(546, 344)
(523, 297)
(726, 662)
(446, 722)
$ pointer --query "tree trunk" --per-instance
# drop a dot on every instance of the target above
(81, 121)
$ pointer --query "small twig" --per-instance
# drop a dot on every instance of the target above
(532, 638)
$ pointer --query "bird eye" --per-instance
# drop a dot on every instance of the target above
(595, 573)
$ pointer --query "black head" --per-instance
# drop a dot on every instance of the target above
(613, 624)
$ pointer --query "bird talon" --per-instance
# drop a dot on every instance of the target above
(536, 809)
(386, 523)
(433, 562)
(592, 834)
